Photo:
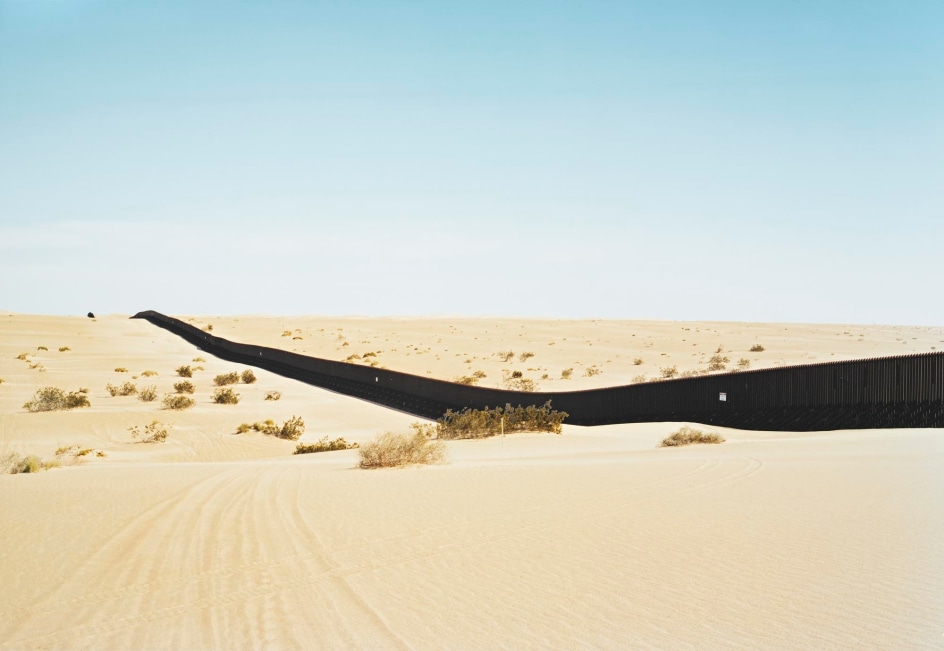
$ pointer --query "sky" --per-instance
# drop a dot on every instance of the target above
(683, 160)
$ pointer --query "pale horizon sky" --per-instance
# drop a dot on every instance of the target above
(734, 161)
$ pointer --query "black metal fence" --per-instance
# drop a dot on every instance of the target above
(905, 391)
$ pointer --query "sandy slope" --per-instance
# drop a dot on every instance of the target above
(591, 539)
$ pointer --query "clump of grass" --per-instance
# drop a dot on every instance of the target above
(184, 371)
(148, 373)
(744, 363)
(185, 386)
(668, 372)
(273, 395)
(177, 401)
(126, 389)
(466, 379)
(292, 429)
(567, 373)
(286, 333)
(199, 360)
(225, 396)
(71, 454)
(15, 464)
(23, 357)
(55, 399)
(757, 348)
(506, 355)
(390, 450)
(64, 349)
(638, 379)
(324, 445)
(478, 375)
(523, 357)
(637, 361)
(482, 423)
(591, 371)
(41, 348)
(148, 393)
(121, 369)
(718, 362)
(248, 376)
(153, 433)
(226, 378)
(689, 436)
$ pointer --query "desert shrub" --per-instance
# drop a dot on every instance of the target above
(121, 369)
(591, 371)
(49, 464)
(324, 445)
(525, 356)
(15, 464)
(54, 399)
(638, 378)
(226, 378)
(148, 393)
(482, 423)
(273, 395)
(292, 429)
(23, 357)
(478, 375)
(148, 373)
(744, 363)
(185, 386)
(39, 366)
(177, 401)
(392, 450)
(466, 379)
(718, 363)
(126, 389)
(198, 368)
(668, 372)
(515, 381)
(41, 348)
(243, 428)
(567, 373)
(225, 396)
(506, 355)
(688, 436)
(153, 433)
(757, 348)
(64, 349)
(248, 376)
(208, 327)
(286, 333)
(184, 371)
(199, 360)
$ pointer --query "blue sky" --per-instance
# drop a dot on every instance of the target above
(678, 160)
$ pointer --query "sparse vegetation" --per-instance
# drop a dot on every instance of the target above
(225, 396)
(121, 369)
(478, 375)
(515, 381)
(324, 445)
(23, 357)
(15, 464)
(668, 372)
(199, 360)
(744, 363)
(177, 401)
(55, 399)
(638, 378)
(126, 389)
(523, 357)
(466, 379)
(41, 348)
(185, 386)
(757, 348)
(273, 395)
(506, 355)
(689, 436)
(148, 373)
(226, 378)
(148, 393)
(390, 450)
(292, 429)
(286, 333)
(567, 373)
(64, 349)
(248, 376)
(184, 371)
(718, 362)
(591, 371)
(153, 433)
(482, 423)
(637, 361)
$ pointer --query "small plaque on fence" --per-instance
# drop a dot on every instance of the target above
(723, 397)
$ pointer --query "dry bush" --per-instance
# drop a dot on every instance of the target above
(392, 450)
(478, 375)
(225, 396)
(64, 349)
(482, 423)
(199, 360)
(638, 378)
(506, 355)
(226, 378)
(757, 348)
(744, 363)
(126, 389)
(153, 433)
(23, 357)
(273, 395)
(148, 373)
(718, 363)
(292, 429)
(148, 393)
(668, 372)
(567, 373)
(121, 369)
(184, 371)
(177, 401)
(55, 399)
(15, 464)
(688, 436)
(517, 382)
(186, 386)
(523, 357)
(286, 333)
(324, 445)
(466, 379)
(41, 348)
(637, 361)
(248, 376)
(591, 371)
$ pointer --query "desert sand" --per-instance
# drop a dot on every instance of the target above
(593, 539)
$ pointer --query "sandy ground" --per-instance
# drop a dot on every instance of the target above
(593, 539)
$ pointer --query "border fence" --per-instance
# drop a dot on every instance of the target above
(887, 392)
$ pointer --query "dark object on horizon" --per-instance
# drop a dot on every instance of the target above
(906, 391)
(91, 316)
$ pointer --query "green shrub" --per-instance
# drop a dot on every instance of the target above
(184, 371)
(688, 436)
(225, 396)
(226, 378)
(757, 348)
(186, 386)
(482, 423)
(273, 395)
(248, 376)
(324, 445)
(177, 401)
(126, 389)
(148, 394)
(54, 399)
(153, 433)
(392, 450)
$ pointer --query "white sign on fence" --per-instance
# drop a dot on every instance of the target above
(723, 397)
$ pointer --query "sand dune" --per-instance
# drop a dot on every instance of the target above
(593, 539)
